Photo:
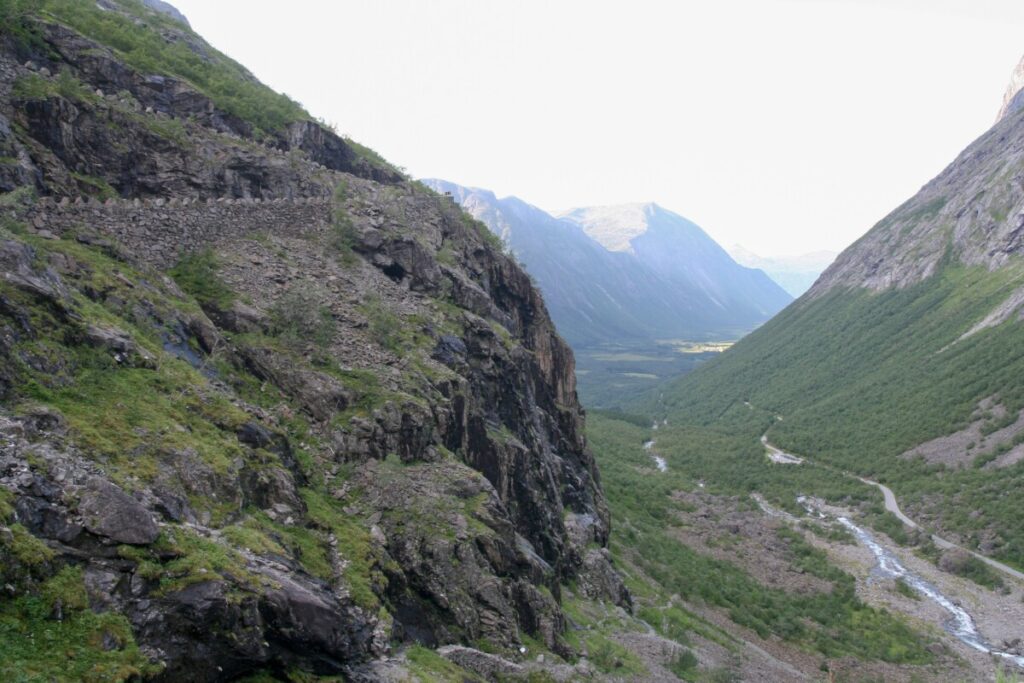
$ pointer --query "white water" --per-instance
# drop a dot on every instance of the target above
(659, 461)
(960, 623)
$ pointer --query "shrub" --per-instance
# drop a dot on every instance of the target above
(343, 231)
(300, 316)
(385, 326)
(684, 664)
(196, 274)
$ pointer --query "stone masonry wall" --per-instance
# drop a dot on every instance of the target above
(157, 232)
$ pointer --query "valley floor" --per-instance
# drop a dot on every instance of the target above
(721, 556)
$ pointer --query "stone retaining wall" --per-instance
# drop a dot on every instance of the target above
(158, 231)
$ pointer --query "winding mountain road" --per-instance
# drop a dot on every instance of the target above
(892, 505)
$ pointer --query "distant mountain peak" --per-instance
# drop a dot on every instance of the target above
(614, 226)
(1013, 100)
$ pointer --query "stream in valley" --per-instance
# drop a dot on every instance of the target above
(960, 624)
(659, 461)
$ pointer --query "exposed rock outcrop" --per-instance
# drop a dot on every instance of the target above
(972, 213)
(278, 406)
(1013, 101)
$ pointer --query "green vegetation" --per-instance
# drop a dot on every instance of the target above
(904, 589)
(385, 327)
(50, 634)
(962, 564)
(684, 665)
(430, 666)
(594, 624)
(35, 87)
(856, 406)
(95, 187)
(180, 557)
(141, 45)
(489, 238)
(834, 623)
(343, 231)
(362, 574)
(14, 17)
(299, 316)
(196, 274)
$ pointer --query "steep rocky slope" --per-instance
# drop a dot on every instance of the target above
(266, 405)
(1013, 101)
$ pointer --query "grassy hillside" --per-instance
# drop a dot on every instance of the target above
(861, 377)
(651, 509)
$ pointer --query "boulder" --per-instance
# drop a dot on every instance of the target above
(108, 511)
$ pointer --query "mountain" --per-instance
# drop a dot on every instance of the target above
(269, 410)
(600, 294)
(593, 295)
(903, 363)
(795, 274)
(1013, 101)
(717, 289)
(855, 463)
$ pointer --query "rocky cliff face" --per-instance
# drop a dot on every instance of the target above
(290, 410)
(971, 213)
(1012, 99)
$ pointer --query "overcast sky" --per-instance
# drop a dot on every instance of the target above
(782, 125)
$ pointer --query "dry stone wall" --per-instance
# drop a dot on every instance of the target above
(158, 231)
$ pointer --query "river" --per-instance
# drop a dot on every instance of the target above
(659, 461)
(960, 623)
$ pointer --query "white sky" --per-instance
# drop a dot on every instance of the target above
(784, 125)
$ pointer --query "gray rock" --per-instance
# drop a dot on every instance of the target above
(108, 511)
(482, 663)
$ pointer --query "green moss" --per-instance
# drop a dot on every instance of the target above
(248, 534)
(430, 666)
(81, 646)
(365, 580)
(131, 416)
(95, 187)
(26, 548)
(181, 557)
(6, 504)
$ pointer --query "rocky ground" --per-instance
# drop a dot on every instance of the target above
(747, 535)
(998, 614)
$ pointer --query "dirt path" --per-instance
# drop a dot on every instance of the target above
(892, 505)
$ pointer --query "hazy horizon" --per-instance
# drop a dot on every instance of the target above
(703, 108)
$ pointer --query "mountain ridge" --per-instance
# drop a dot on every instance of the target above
(599, 294)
